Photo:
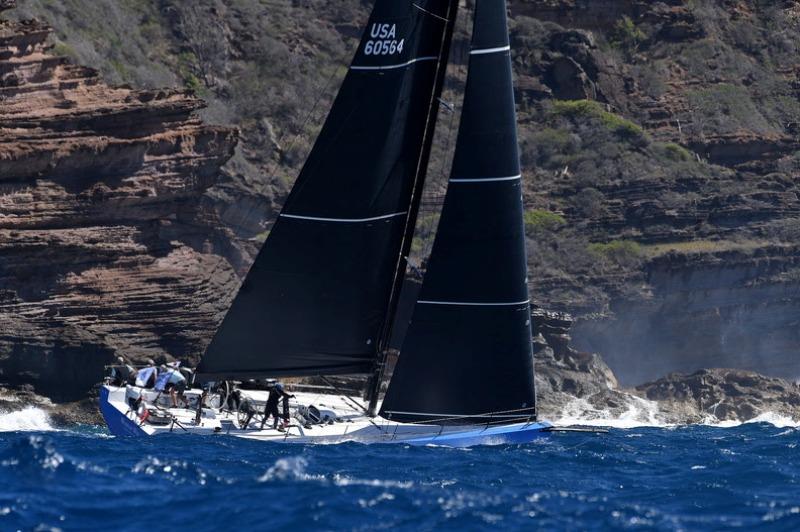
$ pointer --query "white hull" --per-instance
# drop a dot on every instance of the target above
(351, 424)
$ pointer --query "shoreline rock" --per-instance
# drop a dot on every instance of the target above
(723, 394)
(61, 415)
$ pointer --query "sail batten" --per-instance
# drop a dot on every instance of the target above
(483, 51)
(392, 67)
(468, 353)
(474, 303)
(316, 298)
(487, 179)
(344, 220)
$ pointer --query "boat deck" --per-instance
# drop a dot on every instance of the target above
(350, 424)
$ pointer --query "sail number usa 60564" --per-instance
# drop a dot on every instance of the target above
(383, 40)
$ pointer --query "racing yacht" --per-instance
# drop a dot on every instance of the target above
(321, 298)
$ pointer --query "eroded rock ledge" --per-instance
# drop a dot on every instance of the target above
(105, 247)
(576, 385)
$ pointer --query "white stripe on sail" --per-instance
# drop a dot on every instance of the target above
(399, 65)
(343, 220)
(455, 416)
(487, 179)
(474, 304)
(482, 51)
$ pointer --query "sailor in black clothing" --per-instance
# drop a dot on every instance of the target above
(121, 374)
(275, 395)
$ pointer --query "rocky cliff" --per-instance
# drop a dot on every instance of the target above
(573, 386)
(106, 246)
(662, 141)
(660, 144)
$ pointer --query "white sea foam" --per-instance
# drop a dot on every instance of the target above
(644, 413)
(341, 480)
(30, 419)
(292, 468)
(778, 420)
(640, 413)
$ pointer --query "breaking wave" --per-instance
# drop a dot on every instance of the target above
(30, 419)
(640, 412)
(293, 468)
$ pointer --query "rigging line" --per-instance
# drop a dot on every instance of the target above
(296, 137)
(434, 15)
(382, 347)
(338, 390)
(431, 207)
(271, 174)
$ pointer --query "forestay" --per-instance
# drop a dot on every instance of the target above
(318, 296)
(468, 352)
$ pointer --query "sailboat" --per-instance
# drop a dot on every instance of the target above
(322, 296)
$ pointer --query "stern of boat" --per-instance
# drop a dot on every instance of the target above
(115, 410)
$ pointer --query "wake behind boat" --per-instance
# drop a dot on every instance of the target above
(321, 298)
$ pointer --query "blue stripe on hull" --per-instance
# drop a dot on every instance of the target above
(483, 436)
(118, 423)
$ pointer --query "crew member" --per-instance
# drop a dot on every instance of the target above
(122, 373)
(146, 377)
(276, 394)
(175, 382)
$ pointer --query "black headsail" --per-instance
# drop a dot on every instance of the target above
(316, 299)
(468, 352)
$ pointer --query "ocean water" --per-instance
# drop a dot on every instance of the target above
(646, 478)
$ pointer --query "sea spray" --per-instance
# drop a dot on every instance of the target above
(640, 412)
(29, 419)
(637, 412)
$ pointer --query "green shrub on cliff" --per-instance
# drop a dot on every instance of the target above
(623, 252)
(589, 109)
(64, 50)
(673, 152)
(549, 147)
(626, 35)
(541, 219)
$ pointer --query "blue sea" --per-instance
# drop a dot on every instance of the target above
(687, 478)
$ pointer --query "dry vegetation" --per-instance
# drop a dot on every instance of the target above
(609, 187)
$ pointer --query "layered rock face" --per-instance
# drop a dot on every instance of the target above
(105, 247)
(573, 385)
(674, 188)
(564, 374)
(664, 216)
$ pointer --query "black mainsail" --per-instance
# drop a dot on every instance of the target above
(318, 297)
(468, 351)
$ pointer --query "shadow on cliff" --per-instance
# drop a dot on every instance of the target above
(64, 372)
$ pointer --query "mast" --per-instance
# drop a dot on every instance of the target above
(468, 353)
(376, 379)
(315, 300)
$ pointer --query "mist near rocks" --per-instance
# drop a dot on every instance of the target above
(728, 312)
